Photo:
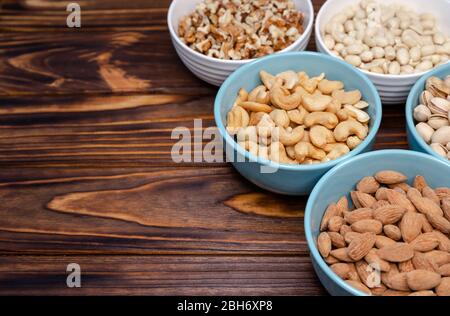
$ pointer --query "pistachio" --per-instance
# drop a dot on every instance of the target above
(422, 113)
(425, 131)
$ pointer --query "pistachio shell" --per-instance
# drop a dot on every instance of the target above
(439, 106)
(437, 121)
(422, 113)
(439, 149)
(441, 136)
(425, 131)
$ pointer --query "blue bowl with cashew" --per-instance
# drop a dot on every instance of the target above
(291, 179)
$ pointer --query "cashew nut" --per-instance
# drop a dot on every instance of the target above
(298, 116)
(334, 106)
(259, 95)
(336, 150)
(305, 150)
(242, 96)
(255, 107)
(250, 146)
(267, 79)
(283, 100)
(347, 128)
(280, 117)
(290, 151)
(278, 154)
(350, 97)
(288, 136)
(236, 119)
(320, 136)
(255, 117)
(327, 119)
(344, 114)
(265, 126)
(327, 86)
(360, 115)
(317, 102)
(353, 142)
(310, 84)
(290, 79)
(247, 133)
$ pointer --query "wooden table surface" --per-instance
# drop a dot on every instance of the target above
(86, 174)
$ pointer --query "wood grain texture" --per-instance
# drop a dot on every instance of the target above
(86, 173)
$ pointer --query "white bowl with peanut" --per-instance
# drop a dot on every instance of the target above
(229, 36)
(393, 42)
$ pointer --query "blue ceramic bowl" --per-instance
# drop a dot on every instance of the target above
(342, 179)
(291, 179)
(415, 141)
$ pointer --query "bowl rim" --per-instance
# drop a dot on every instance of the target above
(249, 157)
(318, 36)
(411, 105)
(174, 34)
(315, 192)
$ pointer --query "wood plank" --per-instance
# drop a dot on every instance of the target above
(146, 275)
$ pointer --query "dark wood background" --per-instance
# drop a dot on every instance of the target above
(86, 176)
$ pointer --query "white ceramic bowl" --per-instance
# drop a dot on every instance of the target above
(392, 89)
(214, 70)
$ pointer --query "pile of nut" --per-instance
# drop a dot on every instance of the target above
(386, 38)
(241, 29)
(434, 115)
(294, 119)
(395, 239)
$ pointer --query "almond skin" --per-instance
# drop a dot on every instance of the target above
(368, 185)
(443, 289)
(406, 266)
(341, 255)
(425, 242)
(337, 240)
(358, 215)
(383, 241)
(410, 226)
(341, 269)
(421, 280)
(360, 246)
(423, 262)
(439, 257)
(396, 253)
(324, 244)
(444, 241)
(439, 222)
(365, 200)
(446, 207)
(329, 213)
(429, 193)
(393, 232)
(342, 206)
(372, 258)
(389, 214)
(398, 282)
(335, 223)
(419, 183)
(381, 194)
(390, 177)
(355, 199)
(367, 226)
(397, 198)
(330, 260)
(444, 270)
(426, 226)
(423, 205)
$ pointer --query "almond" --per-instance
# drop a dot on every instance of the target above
(421, 280)
(385, 276)
(342, 205)
(444, 241)
(355, 199)
(402, 187)
(423, 262)
(400, 199)
(341, 269)
(358, 214)
(396, 253)
(359, 286)
(329, 213)
(390, 177)
(368, 185)
(446, 207)
(419, 183)
(379, 290)
(380, 203)
(365, 200)
(324, 244)
(367, 226)
(350, 236)
(443, 289)
(398, 282)
(426, 226)
(444, 270)
(439, 257)
(341, 255)
(429, 193)
(337, 240)
(381, 194)
(442, 192)
(353, 274)
(389, 214)
(335, 223)
(410, 226)
(364, 272)
(383, 241)
(439, 222)
(406, 266)
(330, 260)
(423, 205)
(373, 259)
(393, 232)
(359, 247)
(344, 230)
(425, 242)
(423, 293)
